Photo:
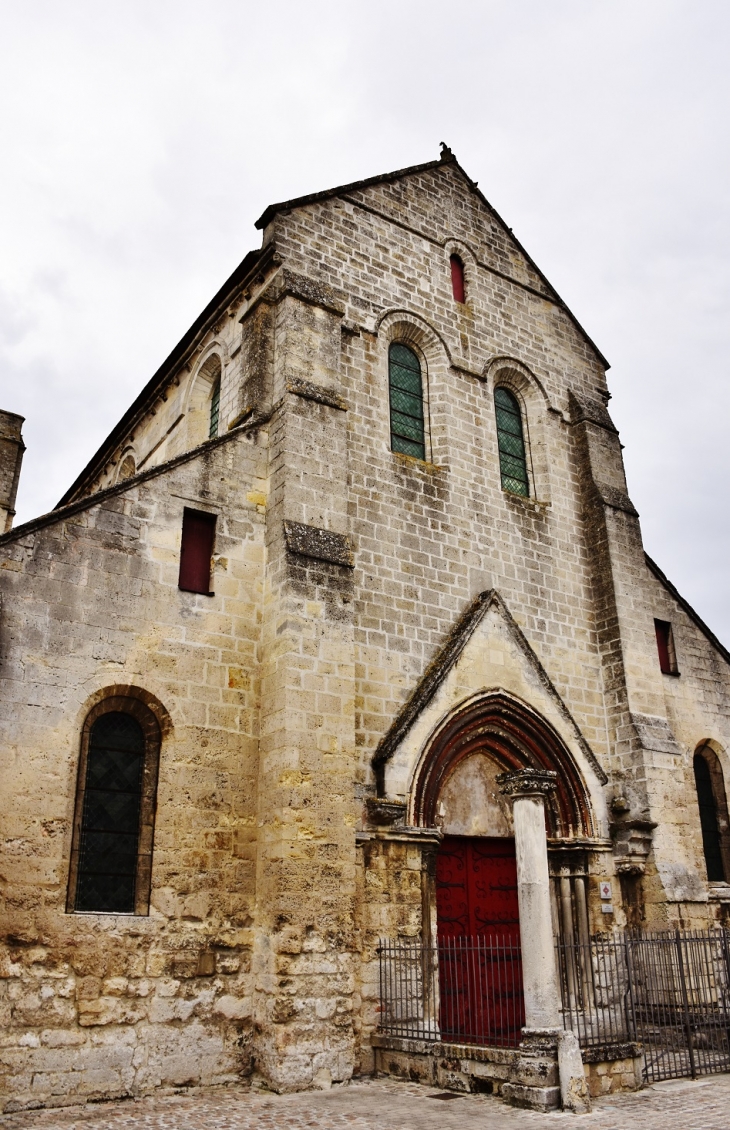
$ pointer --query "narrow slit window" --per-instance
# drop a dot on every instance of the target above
(665, 647)
(711, 839)
(196, 550)
(457, 278)
(215, 404)
(407, 433)
(511, 443)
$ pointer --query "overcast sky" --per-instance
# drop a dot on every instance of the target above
(140, 141)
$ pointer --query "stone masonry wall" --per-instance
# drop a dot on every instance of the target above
(94, 1005)
(341, 567)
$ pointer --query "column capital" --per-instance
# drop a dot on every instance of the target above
(527, 782)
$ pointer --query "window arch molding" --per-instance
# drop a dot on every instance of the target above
(713, 815)
(468, 261)
(127, 464)
(534, 405)
(402, 327)
(153, 725)
(208, 372)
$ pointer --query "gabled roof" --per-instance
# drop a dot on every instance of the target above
(446, 158)
(687, 607)
(328, 193)
(253, 261)
(446, 658)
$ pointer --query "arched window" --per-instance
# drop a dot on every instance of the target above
(215, 403)
(712, 802)
(406, 402)
(457, 278)
(511, 442)
(111, 856)
(128, 468)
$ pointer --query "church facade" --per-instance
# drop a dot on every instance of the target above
(352, 599)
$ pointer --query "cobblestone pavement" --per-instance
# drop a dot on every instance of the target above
(383, 1104)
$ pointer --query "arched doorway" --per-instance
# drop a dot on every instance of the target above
(457, 789)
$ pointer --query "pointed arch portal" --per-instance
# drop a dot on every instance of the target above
(515, 737)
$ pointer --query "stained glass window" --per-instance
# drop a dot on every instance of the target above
(110, 819)
(406, 402)
(215, 403)
(510, 439)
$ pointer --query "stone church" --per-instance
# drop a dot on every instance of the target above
(344, 638)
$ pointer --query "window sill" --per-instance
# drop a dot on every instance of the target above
(672, 674)
(719, 892)
(532, 504)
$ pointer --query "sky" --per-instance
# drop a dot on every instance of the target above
(141, 140)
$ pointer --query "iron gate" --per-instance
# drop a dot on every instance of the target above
(668, 991)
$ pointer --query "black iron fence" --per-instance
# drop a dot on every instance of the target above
(464, 990)
(666, 991)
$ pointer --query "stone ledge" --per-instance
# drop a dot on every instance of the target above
(322, 545)
(309, 391)
(610, 1053)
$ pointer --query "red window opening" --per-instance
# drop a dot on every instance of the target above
(457, 278)
(198, 534)
(665, 647)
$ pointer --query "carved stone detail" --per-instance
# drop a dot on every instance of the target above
(528, 782)
(386, 813)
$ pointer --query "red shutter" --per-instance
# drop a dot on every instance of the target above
(663, 629)
(457, 278)
(198, 532)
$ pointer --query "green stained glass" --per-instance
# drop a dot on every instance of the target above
(215, 403)
(511, 443)
(406, 402)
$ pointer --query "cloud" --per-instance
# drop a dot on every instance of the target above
(141, 142)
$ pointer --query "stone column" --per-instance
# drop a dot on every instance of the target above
(543, 1032)
(528, 789)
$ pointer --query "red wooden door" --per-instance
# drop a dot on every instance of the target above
(480, 972)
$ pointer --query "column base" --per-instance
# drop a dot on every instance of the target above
(536, 1085)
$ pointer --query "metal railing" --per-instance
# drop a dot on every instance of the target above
(460, 990)
(668, 991)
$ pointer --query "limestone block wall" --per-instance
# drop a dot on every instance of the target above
(430, 535)
(697, 707)
(306, 947)
(95, 1005)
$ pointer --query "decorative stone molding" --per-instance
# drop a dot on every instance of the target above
(632, 844)
(528, 782)
(444, 661)
(386, 813)
(323, 545)
(309, 391)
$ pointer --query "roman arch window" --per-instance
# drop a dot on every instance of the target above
(215, 404)
(111, 855)
(407, 432)
(713, 812)
(128, 467)
(511, 443)
(457, 279)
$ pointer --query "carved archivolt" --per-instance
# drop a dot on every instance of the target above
(514, 737)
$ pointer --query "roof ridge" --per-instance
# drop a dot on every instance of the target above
(446, 158)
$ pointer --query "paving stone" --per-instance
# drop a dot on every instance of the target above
(381, 1104)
